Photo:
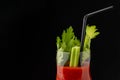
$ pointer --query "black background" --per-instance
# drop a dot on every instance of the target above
(28, 31)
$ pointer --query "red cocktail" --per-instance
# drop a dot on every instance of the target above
(72, 63)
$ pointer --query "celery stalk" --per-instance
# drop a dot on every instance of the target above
(74, 58)
(77, 54)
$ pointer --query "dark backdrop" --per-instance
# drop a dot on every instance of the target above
(28, 31)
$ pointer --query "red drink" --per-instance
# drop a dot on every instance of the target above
(73, 73)
(71, 64)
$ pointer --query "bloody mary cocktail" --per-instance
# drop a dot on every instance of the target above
(70, 64)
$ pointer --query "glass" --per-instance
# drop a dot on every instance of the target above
(64, 72)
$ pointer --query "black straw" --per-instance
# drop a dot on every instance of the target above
(84, 28)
